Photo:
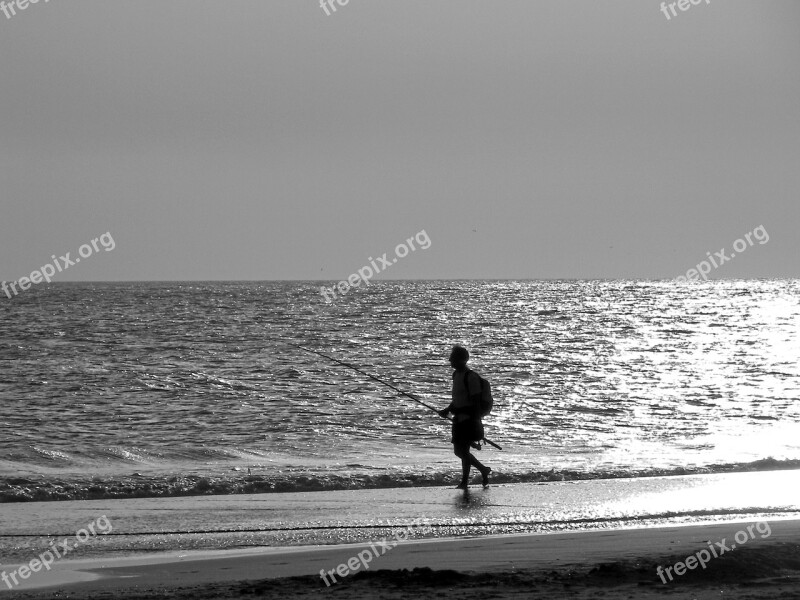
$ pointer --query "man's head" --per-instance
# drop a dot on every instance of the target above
(459, 357)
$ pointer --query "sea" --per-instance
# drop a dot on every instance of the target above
(137, 390)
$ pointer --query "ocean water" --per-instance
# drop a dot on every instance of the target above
(132, 389)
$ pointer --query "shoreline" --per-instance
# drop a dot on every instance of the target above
(57, 487)
(560, 555)
(552, 535)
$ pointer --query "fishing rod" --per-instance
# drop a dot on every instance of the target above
(386, 383)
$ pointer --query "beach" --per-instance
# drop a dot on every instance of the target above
(602, 538)
(613, 564)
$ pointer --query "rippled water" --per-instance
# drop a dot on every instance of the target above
(143, 389)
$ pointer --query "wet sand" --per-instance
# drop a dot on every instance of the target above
(593, 564)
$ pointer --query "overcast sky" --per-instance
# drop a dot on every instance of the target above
(264, 139)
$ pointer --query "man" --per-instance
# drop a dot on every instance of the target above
(467, 426)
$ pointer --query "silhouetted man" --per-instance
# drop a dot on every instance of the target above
(467, 426)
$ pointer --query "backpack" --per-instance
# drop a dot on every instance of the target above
(486, 402)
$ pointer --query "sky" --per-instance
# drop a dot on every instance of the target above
(527, 139)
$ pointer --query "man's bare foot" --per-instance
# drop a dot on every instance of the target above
(462, 486)
(485, 474)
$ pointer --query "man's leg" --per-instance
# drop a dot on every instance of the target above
(462, 452)
(475, 462)
(468, 460)
(482, 468)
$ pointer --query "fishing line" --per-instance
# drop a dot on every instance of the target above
(386, 383)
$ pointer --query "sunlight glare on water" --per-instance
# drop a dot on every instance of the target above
(591, 379)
